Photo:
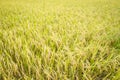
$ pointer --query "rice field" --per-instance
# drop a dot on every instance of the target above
(59, 39)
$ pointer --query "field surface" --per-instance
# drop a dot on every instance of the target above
(59, 39)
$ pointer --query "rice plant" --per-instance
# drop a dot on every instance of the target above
(59, 40)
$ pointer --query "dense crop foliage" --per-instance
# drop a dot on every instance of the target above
(59, 40)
